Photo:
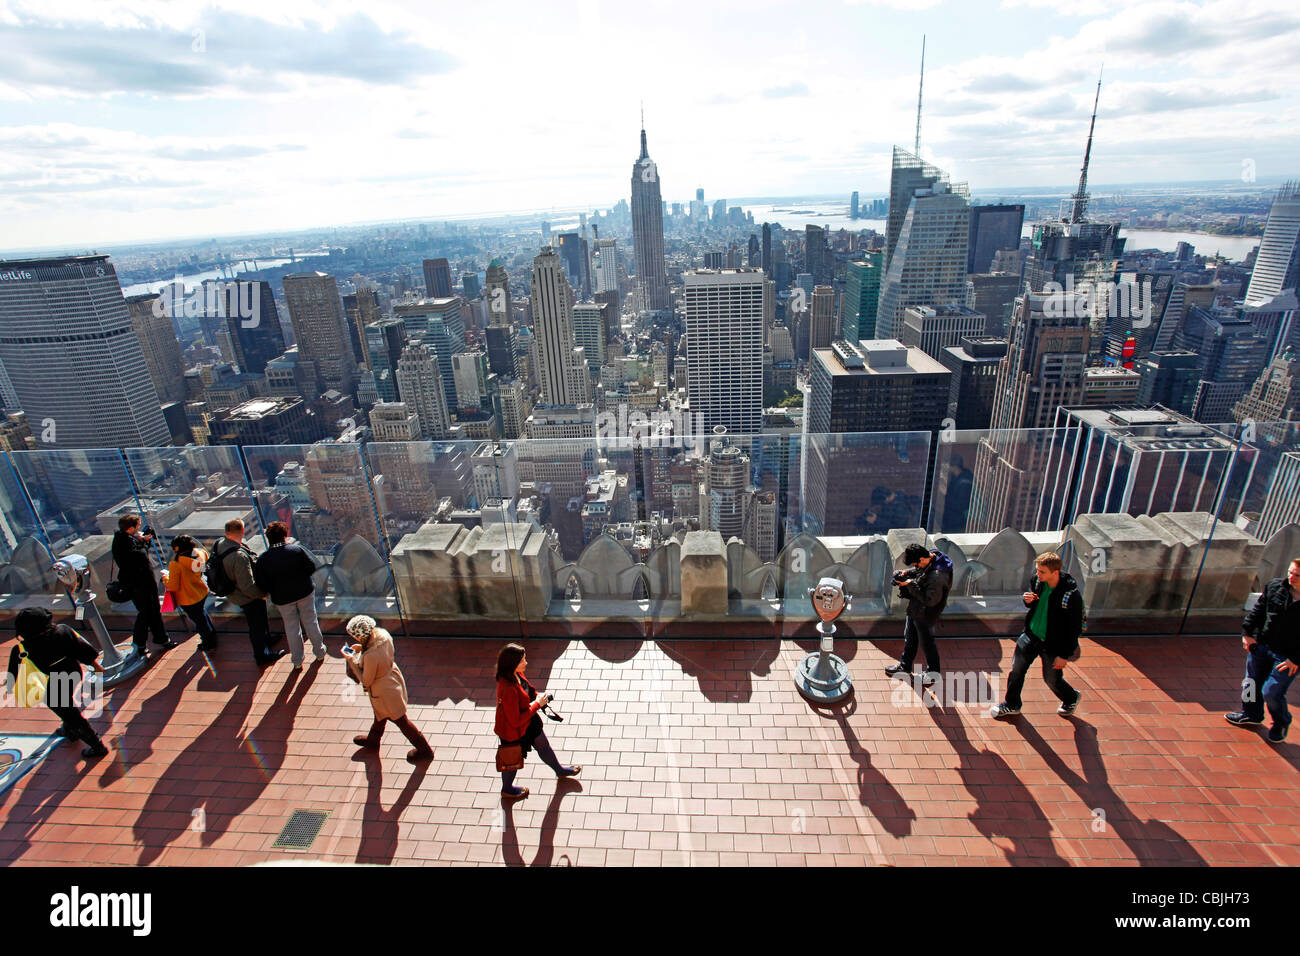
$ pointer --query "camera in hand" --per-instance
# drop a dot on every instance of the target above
(147, 532)
(904, 577)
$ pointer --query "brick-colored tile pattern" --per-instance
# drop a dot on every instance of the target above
(694, 754)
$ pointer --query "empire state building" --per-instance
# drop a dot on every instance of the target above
(648, 230)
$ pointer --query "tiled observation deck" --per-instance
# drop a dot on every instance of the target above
(694, 754)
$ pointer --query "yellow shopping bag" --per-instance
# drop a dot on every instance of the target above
(29, 689)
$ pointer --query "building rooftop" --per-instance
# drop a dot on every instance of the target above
(45, 262)
(877, 357)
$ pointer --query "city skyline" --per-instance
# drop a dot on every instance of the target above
(116, 151)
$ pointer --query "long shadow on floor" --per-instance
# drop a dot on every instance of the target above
(380, 828)
(875, 792)
(724, 670)
(134, 743)
(546, 847)
(1153, 843)
(1005, 806)
(437, 670)
(248, 763)
(1205, 671)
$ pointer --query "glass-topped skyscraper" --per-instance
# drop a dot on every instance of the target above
(1277, 264)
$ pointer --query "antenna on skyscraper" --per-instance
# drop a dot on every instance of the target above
(1080, 205)
(920, 87)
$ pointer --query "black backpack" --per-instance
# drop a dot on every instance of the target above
(220, 583)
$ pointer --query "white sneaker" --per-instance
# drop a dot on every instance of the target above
(1003, 710)
(930, 678)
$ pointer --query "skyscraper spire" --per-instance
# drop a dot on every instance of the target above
(919, 88)
(1080, 205)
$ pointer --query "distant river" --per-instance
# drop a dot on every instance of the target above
(198, 278)
(1236, 248)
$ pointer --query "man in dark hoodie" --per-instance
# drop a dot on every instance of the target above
(1271, 636)
(1053, 624)
(926, 586)
(131, 551)
(59, 652)
(284, 571)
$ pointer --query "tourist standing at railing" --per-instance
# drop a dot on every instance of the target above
(135, 572)
(58, 651)
(1271, 636)
(518, 720)
(184, 579)
(237, 562)
(285, 572)
(925, 585)
(1053, 624)
(372, 660)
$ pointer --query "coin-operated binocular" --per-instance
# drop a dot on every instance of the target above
(822, 677)
(120, 660)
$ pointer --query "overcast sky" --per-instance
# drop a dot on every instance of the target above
(142, 120)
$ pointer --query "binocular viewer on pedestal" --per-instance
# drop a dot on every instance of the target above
(120, 660)
(822, 677)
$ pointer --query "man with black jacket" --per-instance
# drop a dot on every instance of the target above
(1271, 636)
(59, 652)
(926, 586)
(1053, 624)
(284, 571)
(135, 573)
(237, 562)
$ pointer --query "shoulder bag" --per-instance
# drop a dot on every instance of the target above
(29, 689)
(510, 757)
(114, 589)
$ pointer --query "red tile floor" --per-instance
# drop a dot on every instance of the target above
(694, 754)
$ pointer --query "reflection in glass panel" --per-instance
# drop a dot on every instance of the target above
(321, 493)
(78, 496)
(24, 559)
(193, 490)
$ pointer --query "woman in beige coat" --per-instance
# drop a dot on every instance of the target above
(372, 661)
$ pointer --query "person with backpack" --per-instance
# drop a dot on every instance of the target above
(1053, 623)
(230, 574)
(925, 584)
(184, 580)
(58, 651)
(131, 550)
(284, 571)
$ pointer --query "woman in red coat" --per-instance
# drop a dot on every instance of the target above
(518, 720)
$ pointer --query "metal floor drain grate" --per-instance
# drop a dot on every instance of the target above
(301, 830)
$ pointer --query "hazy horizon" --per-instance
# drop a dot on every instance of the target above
(131, 122)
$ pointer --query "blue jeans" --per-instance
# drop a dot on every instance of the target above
(918, 632)
(202, 621)
(1265, 684)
